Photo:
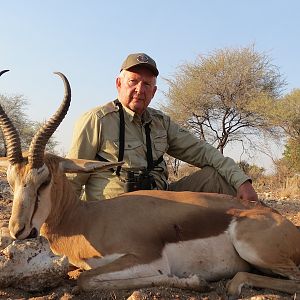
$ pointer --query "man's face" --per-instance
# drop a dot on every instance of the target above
(136, 88)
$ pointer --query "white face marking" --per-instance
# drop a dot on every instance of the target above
(43, 207)
(26, 188)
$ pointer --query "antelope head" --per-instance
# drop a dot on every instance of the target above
(37, 178)
(28, 175)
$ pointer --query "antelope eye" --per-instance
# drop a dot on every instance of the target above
(44, 184)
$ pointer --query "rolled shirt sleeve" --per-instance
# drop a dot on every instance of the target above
(186, 147)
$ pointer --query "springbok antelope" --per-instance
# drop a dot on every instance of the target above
(144, 238)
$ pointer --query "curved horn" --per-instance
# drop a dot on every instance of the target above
(40, 139)
(2, 72)
(11, 136)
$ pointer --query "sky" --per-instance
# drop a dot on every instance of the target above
(88, 40)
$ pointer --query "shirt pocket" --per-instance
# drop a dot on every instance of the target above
(134, 153)
(111, 148)
(160, 143)
(132, 145)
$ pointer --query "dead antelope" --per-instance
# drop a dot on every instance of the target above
(145, 238)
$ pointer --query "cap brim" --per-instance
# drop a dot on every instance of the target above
(146, 65)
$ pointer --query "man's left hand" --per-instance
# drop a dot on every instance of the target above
(246, 192)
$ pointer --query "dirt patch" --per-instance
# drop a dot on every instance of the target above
(69, 290)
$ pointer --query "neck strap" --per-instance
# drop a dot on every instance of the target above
(121, 135)
(150, 162)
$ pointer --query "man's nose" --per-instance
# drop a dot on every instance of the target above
(140, 87)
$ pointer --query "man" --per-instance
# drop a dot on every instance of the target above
(127, 129)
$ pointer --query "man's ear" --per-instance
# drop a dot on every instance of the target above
(118, 83)
(85, 166)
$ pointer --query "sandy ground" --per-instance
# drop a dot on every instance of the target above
(68, 289)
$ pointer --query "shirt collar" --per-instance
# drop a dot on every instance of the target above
(131, 114)
(145, 118)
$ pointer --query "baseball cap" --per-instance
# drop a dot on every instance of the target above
(136, 59)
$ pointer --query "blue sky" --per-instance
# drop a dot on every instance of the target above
(88, 40)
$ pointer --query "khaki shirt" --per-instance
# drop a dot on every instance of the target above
(97, 132)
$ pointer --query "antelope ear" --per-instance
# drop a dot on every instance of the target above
(85, 166)
(4, 163)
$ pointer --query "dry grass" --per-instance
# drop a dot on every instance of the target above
(290, 188)
(279, 187)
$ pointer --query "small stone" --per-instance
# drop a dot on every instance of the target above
(137, 295)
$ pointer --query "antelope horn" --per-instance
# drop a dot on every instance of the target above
(11, 136)
(2, 72)
(40, 139)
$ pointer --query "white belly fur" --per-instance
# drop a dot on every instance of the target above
(212, 258)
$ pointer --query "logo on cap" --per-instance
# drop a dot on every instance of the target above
(142, 58)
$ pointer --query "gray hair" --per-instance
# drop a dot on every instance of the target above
(123, 72)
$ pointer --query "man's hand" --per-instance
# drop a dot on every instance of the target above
(246, 192)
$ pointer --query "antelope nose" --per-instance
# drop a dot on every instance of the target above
(33, 233)
(17, 232)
